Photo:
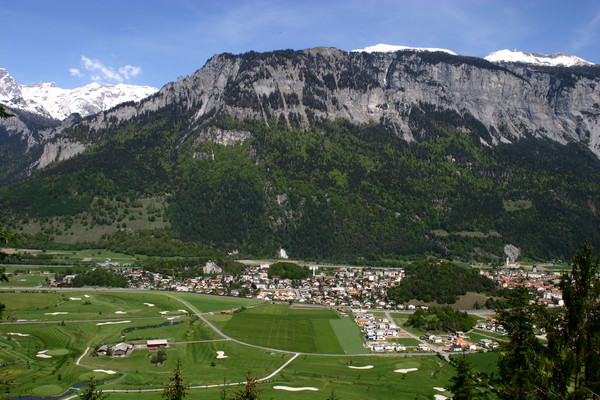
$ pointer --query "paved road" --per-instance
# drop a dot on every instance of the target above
(444, 354)
(219, 332)
(226, 337)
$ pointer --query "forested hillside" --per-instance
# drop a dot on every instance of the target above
(338, 190)
(213, 169)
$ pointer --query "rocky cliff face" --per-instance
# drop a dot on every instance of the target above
(511, 101)
(441, 153)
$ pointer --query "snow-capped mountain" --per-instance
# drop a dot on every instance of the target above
(389, 48)
(553, 60)
(48, 100)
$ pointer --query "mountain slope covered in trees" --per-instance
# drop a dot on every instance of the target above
(239, 170)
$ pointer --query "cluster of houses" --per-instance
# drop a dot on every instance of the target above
(118, 350)
(457, 342)
(350, 286)
(331, 286)
(491, 325)
(544, 284)
(378, 332)
(124, 349)
(347, 286)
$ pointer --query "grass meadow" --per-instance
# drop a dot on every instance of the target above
(43, 355)
(329, 374)
(308, 330)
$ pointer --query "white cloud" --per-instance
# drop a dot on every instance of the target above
(129, 71)
(101, 72)
(76, 72)
(96, 66)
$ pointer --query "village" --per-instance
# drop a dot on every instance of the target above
(340, 286)
(350, 290)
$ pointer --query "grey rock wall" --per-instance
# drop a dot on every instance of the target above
(511, 101)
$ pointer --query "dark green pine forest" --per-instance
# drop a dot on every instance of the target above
(334, 191)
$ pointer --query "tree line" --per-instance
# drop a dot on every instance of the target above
(442, 282)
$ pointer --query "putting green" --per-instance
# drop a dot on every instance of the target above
(48, 390)
(57, 352)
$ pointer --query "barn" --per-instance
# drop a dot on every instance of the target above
(157, 343)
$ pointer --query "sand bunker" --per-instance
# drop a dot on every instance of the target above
(440, 397)
(291, 389)
(221, 354)
(87, 296)
(404, 371)
(56, 313)
(183, 311)
(106, 371)
(112, 323)
(163, 312)
(149, 304)
(42, 354)
(17, 334)
(365, 367)
(74, 298)
(172, 318)
(439, 389)
(120, 312)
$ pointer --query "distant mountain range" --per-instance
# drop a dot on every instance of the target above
(40, 107)
(50, 101)
(329, 154)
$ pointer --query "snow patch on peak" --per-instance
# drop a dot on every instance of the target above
(553, 60)
(46, 99)
(389, 48)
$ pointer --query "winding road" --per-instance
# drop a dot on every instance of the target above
(294, 355)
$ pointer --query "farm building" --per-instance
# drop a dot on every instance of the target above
(157, 343)
(121, 349)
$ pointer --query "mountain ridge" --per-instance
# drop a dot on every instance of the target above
(333, 154)
(51, 101)
(510, 100)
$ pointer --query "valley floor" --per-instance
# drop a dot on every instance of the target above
(295, 353)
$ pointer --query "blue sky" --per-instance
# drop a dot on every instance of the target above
(152, 42)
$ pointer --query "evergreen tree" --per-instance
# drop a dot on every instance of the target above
(574, 334)
(5, 237)
(176, 389)
(521, 357)
(89, 392)
(4, 113)
(466, 385)
(248, 391)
